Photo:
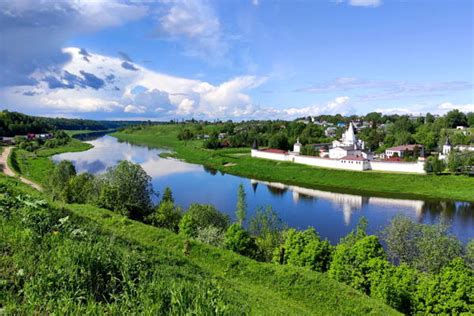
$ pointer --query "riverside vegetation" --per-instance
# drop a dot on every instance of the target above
(238, 161)
(423, 270)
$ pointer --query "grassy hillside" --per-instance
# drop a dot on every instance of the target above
(83, 259)
(37, 165)
(239, 162)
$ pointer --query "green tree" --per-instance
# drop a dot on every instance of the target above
(127, 189)
(351, 261)
(424, 135)
(279, 141)
(470, 253)
(185, 134)
(58, 182)
(455, 118)
(394, 285)
(470, 119)
(165, 215)
(167, 195)
(239, 240)
(304, 249)
(82, 189)
(199, 216)
(434, 165)
(451, 292)
(241, 210)
(267, 228)
(425, 247)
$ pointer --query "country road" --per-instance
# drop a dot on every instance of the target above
(9, 172)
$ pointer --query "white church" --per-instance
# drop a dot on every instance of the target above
(348, 153)
(349, 145)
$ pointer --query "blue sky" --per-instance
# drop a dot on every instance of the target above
(235, 59)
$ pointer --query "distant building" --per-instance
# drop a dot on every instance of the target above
(297, 146)
(348, 145)
(330, 132)
(404, 150)
(446, 150)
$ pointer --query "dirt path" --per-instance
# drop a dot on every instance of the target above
(9, 172)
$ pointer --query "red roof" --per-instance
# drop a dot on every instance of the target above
(358, 158)
(275, 151)
(405, 147)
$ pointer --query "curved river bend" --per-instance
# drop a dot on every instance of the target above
(333, 215)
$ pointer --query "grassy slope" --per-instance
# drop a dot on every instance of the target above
(375, 183)
(36, 166)
(262, 288)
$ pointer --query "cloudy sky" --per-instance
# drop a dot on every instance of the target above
(233, 59)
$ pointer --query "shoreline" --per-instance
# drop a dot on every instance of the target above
(237, 161)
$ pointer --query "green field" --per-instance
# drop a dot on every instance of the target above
(36, 165)
(239, 162)
(54, 273)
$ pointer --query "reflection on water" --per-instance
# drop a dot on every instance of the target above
(332, 214)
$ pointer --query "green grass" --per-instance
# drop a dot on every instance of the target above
(449, 187)
(212, 276)
(37, 165)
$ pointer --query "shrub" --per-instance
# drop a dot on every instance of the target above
(165, 215)
(351, 261)
(238, 240)
(304, 249)
(267, 229)
(449, 292)
(200, 216)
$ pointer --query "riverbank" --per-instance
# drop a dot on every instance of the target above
(37, 165)
(238, 162)
(199, 275)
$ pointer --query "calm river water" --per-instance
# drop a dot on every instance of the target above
(333, 215)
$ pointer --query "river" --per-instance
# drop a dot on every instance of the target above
(333, 215)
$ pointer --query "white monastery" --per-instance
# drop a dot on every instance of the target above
(348, 153)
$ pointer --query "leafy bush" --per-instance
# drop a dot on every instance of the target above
(424, 247)
(199, 216)
(267, 229)
(351, 263)
(238, 240)
(304, 249)
(449, 292)
(165, 215)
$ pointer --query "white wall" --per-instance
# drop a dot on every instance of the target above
(272, 156)
(415, 167)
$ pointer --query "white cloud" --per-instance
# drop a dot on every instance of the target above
(361, 3)
(197, 22)
(448, 106)
(134, 109)
(129, 92)
(365, 3)
(339, 105)
(33, 33)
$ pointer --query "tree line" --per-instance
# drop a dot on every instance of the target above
(14, 123)
(423, 268)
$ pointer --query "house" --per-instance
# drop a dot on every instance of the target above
(330, 132)
(405, 150)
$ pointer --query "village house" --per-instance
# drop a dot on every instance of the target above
(405, 150)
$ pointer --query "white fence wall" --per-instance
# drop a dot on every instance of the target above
(415, 167)
(272, 156)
